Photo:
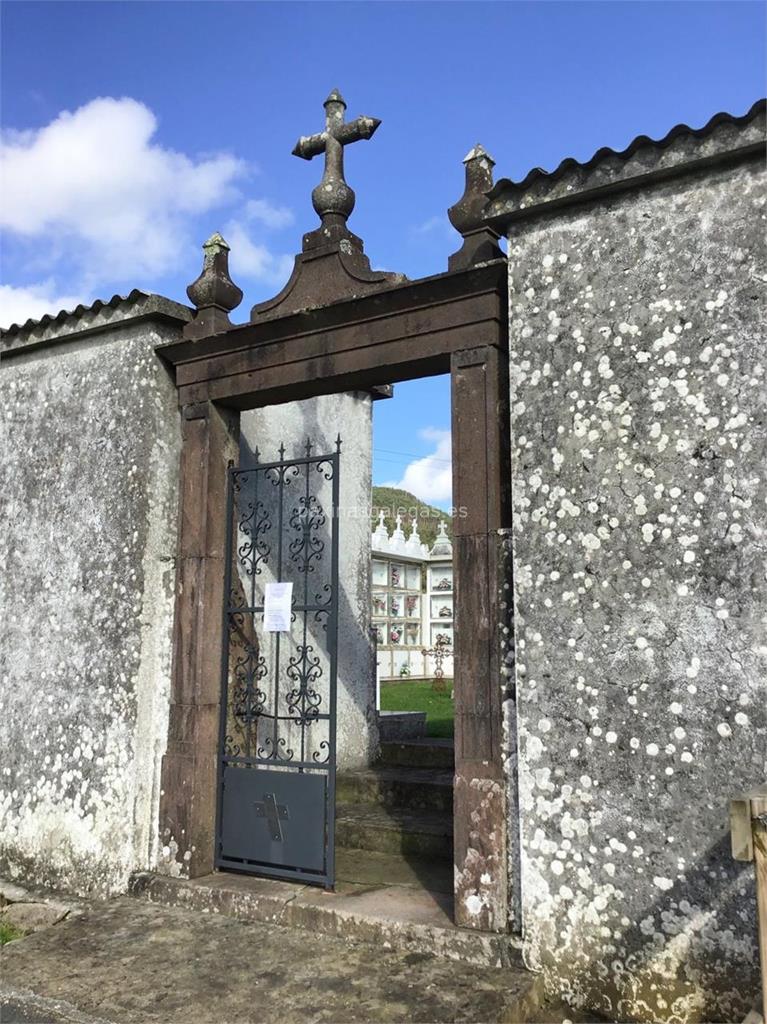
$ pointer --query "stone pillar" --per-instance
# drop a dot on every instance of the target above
(188, 797)
(480, 495)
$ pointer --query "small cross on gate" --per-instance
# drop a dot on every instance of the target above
(272, 811)
(333, 199)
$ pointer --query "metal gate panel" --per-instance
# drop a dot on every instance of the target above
(277, 746)
(274, 818)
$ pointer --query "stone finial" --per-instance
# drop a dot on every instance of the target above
(380, 537)
(214, 294)
(413, 546)
(480, 242)
(398, 541)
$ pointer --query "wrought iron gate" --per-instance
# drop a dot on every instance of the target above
(277, 746)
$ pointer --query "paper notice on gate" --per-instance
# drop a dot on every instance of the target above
(278, 598)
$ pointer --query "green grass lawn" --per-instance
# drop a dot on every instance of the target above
(418, 695)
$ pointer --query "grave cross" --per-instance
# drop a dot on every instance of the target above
(439, 652)
(333, 199)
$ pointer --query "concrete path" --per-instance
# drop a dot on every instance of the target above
(130, 962)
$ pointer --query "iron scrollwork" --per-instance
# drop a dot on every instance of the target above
(279, 693)
(307, 519)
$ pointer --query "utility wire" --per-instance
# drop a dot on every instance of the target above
(411, 455)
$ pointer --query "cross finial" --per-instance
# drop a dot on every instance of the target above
(333, 199)
(332, 265)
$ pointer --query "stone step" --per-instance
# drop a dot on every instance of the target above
(139, 962)
(374, 868)
(414, 788)
(426, 753)
(403, 918)
(401, 725)
(420, 833)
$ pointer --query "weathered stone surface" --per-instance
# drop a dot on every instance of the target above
(321, 420)
(401, 725)
(20, 1006)
(673, 155)
(89, 439)
(638, 388)
(10, 893)
(189, 767)
(214, 293)
(333, 264)
(480, 243)
(227, 970)
(479, 425)
(30, 917)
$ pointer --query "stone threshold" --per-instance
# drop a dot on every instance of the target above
(397, 917)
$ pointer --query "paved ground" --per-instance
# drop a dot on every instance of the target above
(27, 1008)
(129, 962)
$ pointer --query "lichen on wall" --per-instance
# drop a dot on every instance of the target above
(638, 446)
(88, 470)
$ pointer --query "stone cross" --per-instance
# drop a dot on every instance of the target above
(333, 199)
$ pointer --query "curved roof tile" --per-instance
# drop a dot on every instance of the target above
(136, 303)
(570, 163)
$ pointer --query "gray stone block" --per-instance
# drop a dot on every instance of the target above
(31, 917)
(401, 725)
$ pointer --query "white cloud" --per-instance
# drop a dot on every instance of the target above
(431, 477)
(439, 225)
(268, 214)
(252, 259)
(104, 196)
(17, 305)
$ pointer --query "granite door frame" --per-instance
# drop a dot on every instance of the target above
(457, 323)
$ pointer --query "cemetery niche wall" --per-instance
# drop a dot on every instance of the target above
(411, 601)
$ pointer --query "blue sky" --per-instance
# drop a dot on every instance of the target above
(133, 130)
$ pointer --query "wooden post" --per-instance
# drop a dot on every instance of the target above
(481, 484)
(188, 786)
(748, 829)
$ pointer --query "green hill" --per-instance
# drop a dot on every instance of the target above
(393, 500)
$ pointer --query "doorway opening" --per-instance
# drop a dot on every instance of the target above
(395, 816)
(353, 347)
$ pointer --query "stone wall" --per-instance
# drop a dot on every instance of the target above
(638, 440)
(321, 420)
(89, 445)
